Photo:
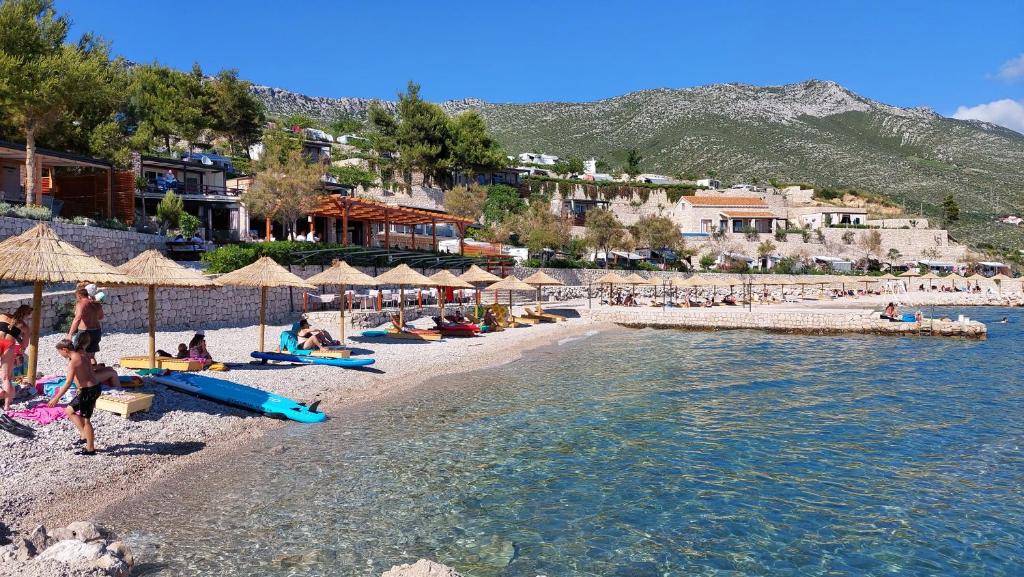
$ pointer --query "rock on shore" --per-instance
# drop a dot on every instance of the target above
(421, 568)
(82, 549)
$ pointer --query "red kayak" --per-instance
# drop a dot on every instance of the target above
(450, 329)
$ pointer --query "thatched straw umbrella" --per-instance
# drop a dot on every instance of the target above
(343, 275)
(39, 256)
(540, 279)
(610, 279)
(263, 274)
(510, 283)
(154, 269)
(477, 277)
(444, 279)
(998, 279)
(403, 276)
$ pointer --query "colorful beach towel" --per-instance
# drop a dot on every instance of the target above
(40, 413)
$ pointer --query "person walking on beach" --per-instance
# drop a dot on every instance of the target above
(13, 331)
(88, 314)
(89, 383)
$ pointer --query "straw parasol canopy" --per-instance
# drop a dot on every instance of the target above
(263, 274)
(929, 276)
(634, 278)
(888, 276)
(688, 282)
(40, 256)
(541, 279)
(610, 278)
(478, 276)
(154, 269)
(510, 283)
(977, 277)
(1000, 277)
(445, 279)
(403, 276)
(342, 274)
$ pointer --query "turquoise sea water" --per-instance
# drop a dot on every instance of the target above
(638, 453)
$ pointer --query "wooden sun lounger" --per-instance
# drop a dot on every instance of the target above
(526, 320)
(545, 317)
(425, 335)
(167, 363)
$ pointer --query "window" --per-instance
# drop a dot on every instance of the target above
(737, 225)
(707, 225)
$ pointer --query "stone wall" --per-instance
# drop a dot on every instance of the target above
(112, 246)
(810, 322)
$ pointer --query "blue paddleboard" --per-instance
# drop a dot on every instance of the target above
(311, 360)
(375, 333)
(241, 396)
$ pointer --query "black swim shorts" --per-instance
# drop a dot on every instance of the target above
(94, 339)
(85, 401)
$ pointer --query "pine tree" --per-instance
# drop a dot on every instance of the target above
(42, 77)
(471, 147)
(236, 114)
(950, 210)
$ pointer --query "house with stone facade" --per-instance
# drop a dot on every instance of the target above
(726, 214)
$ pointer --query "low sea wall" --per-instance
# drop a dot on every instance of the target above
(112, 246)
(785, 321)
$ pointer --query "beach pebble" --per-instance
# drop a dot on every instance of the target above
(421, 568)
(73, 552)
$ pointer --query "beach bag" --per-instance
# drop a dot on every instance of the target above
(288, 342)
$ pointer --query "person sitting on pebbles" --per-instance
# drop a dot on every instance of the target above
(197, 349)
(310, 338)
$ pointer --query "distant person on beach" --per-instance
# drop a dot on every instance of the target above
(181, 354)
(13, 331)
(80, 372)
(197, 348)
(88, 314)
(310, 338)
(890, 312)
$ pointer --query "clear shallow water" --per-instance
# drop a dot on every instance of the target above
(638, 453)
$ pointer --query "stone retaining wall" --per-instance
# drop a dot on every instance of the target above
(112, 246)
(809, 322)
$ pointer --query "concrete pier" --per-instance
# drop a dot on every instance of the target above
(796, 321)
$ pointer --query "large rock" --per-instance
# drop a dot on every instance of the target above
(421, 568)
(73, 552)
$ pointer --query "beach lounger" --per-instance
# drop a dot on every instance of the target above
(166, 363)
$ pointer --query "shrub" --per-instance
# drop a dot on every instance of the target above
(644, 265)
(230, 257)
(189, 224)
(806, 235)
(750, 233)
(707, 261)
(848, 237)
(780, 235)
(168, 212)
(33, 212)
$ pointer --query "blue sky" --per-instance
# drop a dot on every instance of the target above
(941, 54)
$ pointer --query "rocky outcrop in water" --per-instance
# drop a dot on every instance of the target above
(81, 549)
(421, 568)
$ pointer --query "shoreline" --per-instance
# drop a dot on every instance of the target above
(412, 366)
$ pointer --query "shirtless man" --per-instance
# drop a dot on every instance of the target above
(89, 388)
(88, 314)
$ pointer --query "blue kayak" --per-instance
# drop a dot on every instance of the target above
(311, 360)
(242, 396)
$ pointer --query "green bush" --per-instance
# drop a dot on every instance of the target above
(707, 261)
(33, 212)
(644, 265)
(230, 257)
(189, 224)
(234, 256)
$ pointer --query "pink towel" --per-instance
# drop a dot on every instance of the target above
(40, 413)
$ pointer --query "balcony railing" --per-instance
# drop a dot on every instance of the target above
(185, 189)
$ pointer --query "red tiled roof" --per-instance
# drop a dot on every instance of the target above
(723, 201)
(749, 214)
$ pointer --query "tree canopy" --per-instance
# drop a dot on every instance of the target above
(603, 231)
(466, 201)
(285, 186)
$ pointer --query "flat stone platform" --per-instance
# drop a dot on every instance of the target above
(782, 320)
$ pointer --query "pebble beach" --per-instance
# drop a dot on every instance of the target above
(181, 430)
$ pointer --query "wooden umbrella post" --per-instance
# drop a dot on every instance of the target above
(341, 314)
(440, 301)
(263, 313)
(401, 306)
(152, 326)
(33, 346)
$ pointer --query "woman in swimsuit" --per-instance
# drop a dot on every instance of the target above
(310, 338)
(13, 332)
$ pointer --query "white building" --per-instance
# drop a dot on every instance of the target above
(537, 158)
(710, 183)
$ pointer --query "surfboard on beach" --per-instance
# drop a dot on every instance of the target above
(251, 398)
(312, 360)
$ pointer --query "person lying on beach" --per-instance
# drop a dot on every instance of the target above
(80, 371)
(13, 331)
(310, 338)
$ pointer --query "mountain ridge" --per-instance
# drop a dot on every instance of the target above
(815, 131)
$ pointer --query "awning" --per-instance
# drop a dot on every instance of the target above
(749, 214)
(738, 256)
(336, 206)
(992, 264)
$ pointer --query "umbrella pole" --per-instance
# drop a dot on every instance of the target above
(152, 326)
(33, 347)
(401, 306)
(263, 313)
(440, 301)
(341, 314)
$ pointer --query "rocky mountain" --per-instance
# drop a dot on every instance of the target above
(814, 132)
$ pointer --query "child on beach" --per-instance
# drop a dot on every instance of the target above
(197, 348)
(89, 383)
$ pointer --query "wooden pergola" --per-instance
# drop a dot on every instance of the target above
(348, 208)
